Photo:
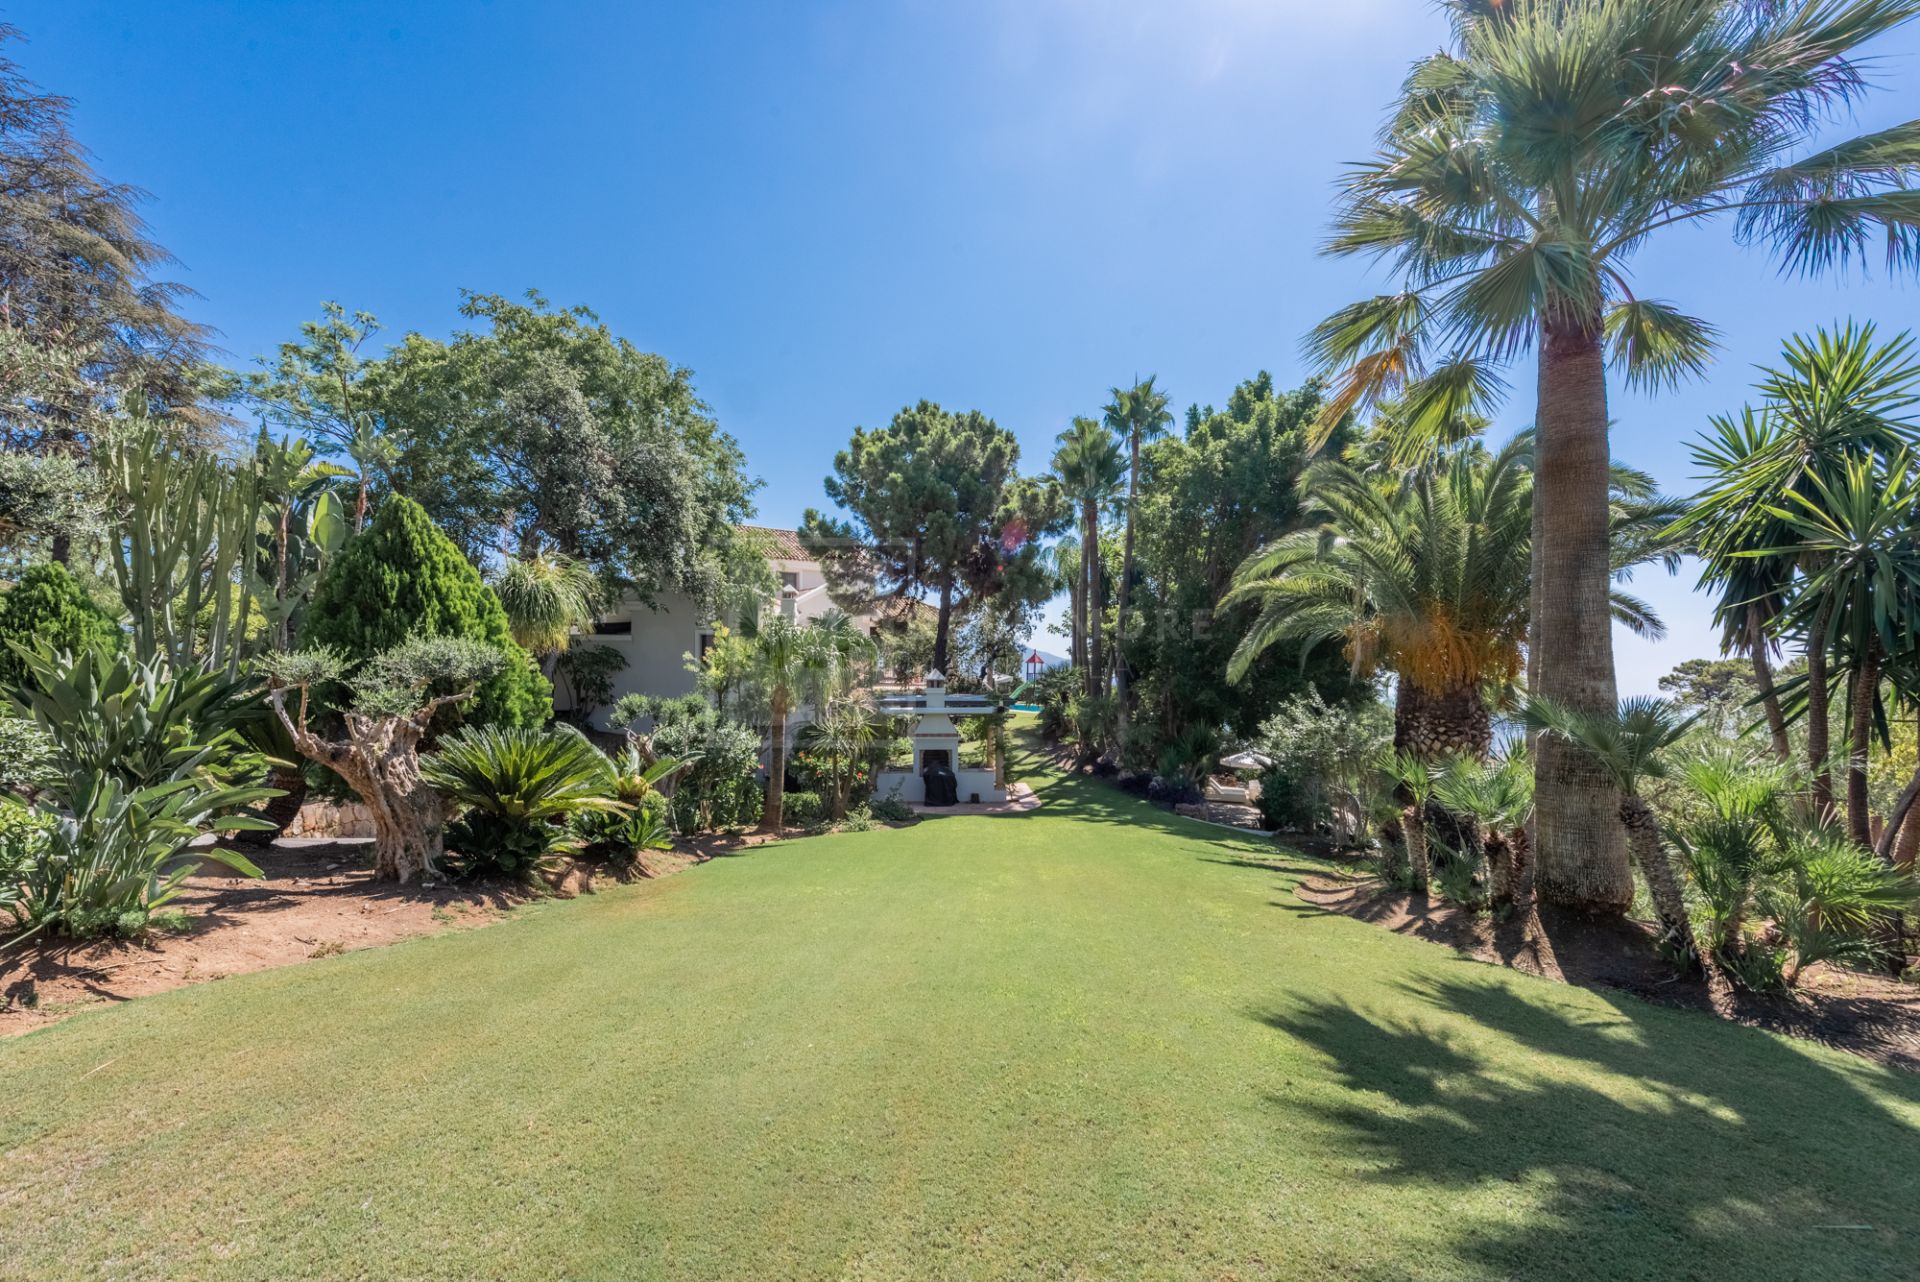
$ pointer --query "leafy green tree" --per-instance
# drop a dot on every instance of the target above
(1521, 170)
(1090, 470)
(542, 432)
(1210, 495)
(934, 505)
(1698, 683)
(403, 578)
(48, 608)
(316, 387)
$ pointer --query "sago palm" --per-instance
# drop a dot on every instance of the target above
(1091, 472)
(1521, 170)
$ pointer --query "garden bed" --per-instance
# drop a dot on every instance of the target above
(1874, 1016)
(315, 898)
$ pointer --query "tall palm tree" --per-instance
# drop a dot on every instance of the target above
(1837, 399)
(1426, 578)
(778, 653)
(1136, 414)
(1091, 472)
(1629, 745)
(1064, 561)
(1519, 173)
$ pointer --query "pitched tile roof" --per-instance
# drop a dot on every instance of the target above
(783, 545)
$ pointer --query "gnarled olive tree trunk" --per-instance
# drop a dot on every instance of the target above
(1580, 855)
(380, 760)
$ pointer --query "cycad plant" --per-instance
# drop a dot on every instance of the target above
(1630, 746)
(1518, 174)
(517, 788)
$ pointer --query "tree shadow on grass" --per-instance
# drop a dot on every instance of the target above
(1627, 1143)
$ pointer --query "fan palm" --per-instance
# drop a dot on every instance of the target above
(778, 654)
(1064, 561)
(1519, 173)
(1628, 746)
(1136, 414)
(1091, 471)
(1413, 781)
(1497, 796)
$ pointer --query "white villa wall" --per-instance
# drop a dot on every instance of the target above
(655, 651)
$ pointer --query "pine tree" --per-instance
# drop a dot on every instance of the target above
(403, 577)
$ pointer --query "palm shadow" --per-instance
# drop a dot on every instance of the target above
(1643, 1142)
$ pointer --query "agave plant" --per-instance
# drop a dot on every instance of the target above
(516, 786)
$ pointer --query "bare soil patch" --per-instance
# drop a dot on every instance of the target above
(1875, 1016)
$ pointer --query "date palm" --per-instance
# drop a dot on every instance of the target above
(1136, 414)
(1091, 471)
(1519, 173)
(1427, 579)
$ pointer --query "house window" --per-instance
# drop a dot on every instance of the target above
(613, 627)
(790, 579)
(706, 644)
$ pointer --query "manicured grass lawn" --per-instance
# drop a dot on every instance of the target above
(1090, 1042)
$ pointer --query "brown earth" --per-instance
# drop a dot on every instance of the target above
(1875, 1016)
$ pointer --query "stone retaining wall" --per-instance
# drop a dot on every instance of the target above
(328, 819)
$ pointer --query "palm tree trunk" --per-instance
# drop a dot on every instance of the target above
(1866, 684)
(1126, 579)
(1447, 723)
(1077, 596)
(1580, 853)
(1499, 868)
(1817, 714)
(1520, 851)
(1090, 560)
(1643, 839)
(777, 767)
(1763, 681)
(1413, 826)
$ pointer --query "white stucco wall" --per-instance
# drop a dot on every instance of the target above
(656, 649)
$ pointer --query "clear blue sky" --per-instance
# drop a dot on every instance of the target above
(830, 210)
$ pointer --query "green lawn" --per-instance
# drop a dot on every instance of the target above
(1090, 1042)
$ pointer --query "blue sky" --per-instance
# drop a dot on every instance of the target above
(830, 210)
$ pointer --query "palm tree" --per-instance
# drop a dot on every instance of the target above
(1426, 579)
(1519, 173)
(547, 598)
(778, 653)
(1090, 471)
(1498, 797)
(1413, 781)
(1136, 414)
(1064, 561)
(1628, 745)
(1838, 398)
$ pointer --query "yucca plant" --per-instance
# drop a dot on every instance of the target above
(546, 599)
(516, 787)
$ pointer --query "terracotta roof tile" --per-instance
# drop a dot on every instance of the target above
(784, 544)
